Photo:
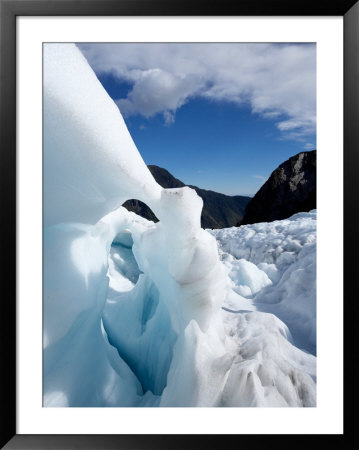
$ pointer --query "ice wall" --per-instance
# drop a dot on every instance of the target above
(91, 167)
(91, 164)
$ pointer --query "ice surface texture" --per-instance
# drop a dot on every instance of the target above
(281, 256)
(133, 310)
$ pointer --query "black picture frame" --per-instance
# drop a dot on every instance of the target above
(9, 10)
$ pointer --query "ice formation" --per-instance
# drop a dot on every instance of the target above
(144, 314)
(281, 256)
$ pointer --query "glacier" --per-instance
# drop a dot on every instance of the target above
(141, 314)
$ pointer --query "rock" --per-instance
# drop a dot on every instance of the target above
(291, 188)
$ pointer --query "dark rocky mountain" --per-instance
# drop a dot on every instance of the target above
(291, 188)
(219, 210)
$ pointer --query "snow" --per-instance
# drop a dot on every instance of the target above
(165, 314)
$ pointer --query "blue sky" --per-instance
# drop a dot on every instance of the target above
(219, 116)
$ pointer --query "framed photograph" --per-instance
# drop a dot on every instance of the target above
(160, 168)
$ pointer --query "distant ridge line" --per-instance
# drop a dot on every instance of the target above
(219, 210)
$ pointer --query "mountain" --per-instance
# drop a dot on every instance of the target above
(219, 210)
(291, 188)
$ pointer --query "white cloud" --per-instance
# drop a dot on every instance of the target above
(277, 81)
(157, 91)
(169, 117)
(309, 146)
(294, 124)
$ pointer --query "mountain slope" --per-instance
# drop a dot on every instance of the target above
(291, 188)
(219, 210)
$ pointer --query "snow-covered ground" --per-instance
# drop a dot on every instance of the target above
(165, 314)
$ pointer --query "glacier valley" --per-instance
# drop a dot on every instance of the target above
(165, 314)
